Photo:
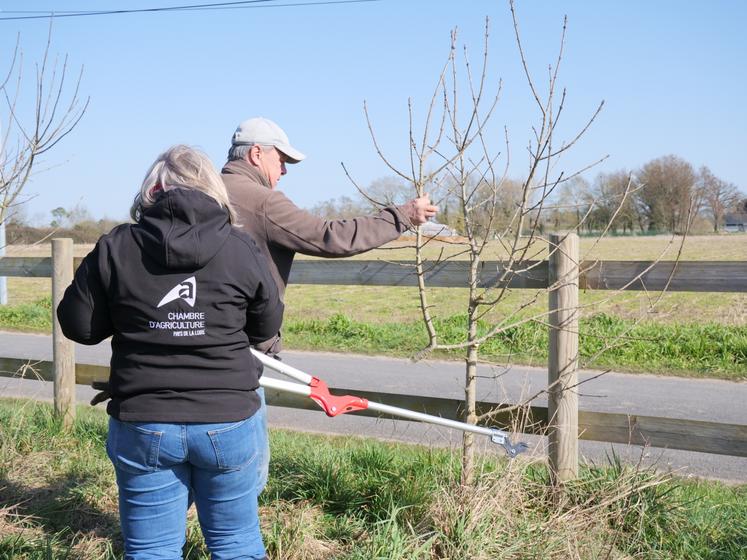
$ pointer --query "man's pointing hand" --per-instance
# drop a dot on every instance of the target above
(419, 210)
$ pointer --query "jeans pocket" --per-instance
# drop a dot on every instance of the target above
(235, 445)
(133, 448)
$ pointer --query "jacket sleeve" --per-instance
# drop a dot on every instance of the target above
(296, 229)
(84, 310)
(264, 313)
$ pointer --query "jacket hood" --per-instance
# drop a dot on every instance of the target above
(184, 229)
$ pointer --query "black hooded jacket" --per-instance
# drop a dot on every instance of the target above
(183, 294)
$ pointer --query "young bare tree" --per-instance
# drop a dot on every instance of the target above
(502, 218)
(453, 153)
(35, 117)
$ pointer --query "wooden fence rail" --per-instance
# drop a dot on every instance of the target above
(686, 276)
(563, 274)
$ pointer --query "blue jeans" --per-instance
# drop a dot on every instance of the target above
(158, 463)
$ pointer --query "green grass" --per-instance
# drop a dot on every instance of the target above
(352, 499)
(605, 342)
(28, 317)
(383, 304)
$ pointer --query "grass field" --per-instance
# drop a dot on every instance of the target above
(679, 332)
(352, 499)
(726, 247)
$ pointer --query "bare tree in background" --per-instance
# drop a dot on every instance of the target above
(718, 196)
(612, 203)
(668, 196)
(342, 208)
(35, 117)
(387, 191)
(572, 203)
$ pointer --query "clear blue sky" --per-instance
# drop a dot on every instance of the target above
(673, 75)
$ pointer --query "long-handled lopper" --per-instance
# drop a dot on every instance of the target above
(333, 405)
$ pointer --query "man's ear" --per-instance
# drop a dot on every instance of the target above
(254, 155)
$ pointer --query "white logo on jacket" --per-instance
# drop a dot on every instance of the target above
(186, 290)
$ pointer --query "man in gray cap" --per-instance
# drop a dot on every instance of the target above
(257, 160)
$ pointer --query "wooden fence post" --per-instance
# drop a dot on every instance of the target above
(63, 349)
(562, 406)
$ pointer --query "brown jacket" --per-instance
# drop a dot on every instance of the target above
(281, 229)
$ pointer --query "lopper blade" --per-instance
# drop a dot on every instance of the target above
(501, 438)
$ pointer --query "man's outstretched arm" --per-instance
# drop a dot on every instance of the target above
(296, 229)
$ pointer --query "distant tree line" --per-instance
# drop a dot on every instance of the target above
(666, 195)
(75, 223)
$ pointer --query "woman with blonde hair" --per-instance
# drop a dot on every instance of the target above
(183, 295)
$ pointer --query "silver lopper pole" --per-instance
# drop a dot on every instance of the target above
(332, 405)
(282, 367)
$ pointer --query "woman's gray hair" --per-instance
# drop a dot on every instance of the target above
(184, 167)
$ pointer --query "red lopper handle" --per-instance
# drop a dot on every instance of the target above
(331, 404)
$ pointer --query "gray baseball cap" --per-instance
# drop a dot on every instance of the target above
(262, 131)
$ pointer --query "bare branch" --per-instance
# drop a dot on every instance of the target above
(50, 122)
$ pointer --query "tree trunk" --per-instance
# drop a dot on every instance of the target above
(470, 400)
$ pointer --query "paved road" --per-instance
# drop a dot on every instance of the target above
(697, 399)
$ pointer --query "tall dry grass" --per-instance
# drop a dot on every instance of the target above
(354, 499)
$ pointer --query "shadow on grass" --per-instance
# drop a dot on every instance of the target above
(68, 509)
